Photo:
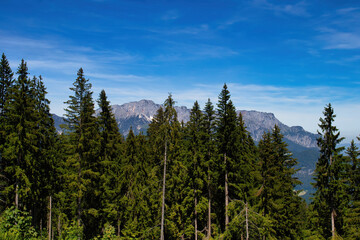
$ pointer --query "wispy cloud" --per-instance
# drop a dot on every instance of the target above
(193, 30)
(170, 15)
(61, 56)
(297, 9)
(347, 10)
(289, 104)
(339, 29)
(176, 51)
(334, 39)
(120, 77)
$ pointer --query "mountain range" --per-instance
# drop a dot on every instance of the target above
(137, 115)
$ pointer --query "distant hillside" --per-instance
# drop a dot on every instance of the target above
(58, 121)
(259, 122)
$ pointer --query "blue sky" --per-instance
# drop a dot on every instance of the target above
(286, 57)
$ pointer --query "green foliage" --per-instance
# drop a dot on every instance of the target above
(331, 198)
(278, 200)
(352, 213)
(19, 150)
(16, 224)
(6, 81)
(72, 231)
(109, 233)
(206, 177)
(82, 173)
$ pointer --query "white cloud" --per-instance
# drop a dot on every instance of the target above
(170, 15)
(297, 9)
(340, 40)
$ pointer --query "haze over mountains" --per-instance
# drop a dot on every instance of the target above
(137, 115)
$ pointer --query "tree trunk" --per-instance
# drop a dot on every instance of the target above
(17, 195)
(17, 184)
(226, 195)
(209, 207)
(247, 221)
(333, 223)
(49, 223)
(118, 228)
(79, 196)
(59, 226)
(195, 213)
(163, 195)
(333, 210)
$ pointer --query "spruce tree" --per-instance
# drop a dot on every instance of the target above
(6, 81)
(226, 137)
(44, 176)
(352, 216)
(20, 129)
(330, 198)
(278, 201)
(164, 134)
(242, 178)
(210, 159)
(83, 163)
(110, 156)
(287, 211)
(197, 170)
(130, 191)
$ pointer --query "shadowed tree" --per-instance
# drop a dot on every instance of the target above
(330, 198)
(83, 164)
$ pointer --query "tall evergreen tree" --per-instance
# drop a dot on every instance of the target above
(130, 186)
(352, 216)
(242, 178)
(210, 159)
(197, 170)
(226, 138)
(330, 198)
(164, 133)
(83, 163)
(20, 124)
(44, 176)
(110, 159)
(6, 81)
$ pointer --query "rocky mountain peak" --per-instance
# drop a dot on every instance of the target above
(139, 114)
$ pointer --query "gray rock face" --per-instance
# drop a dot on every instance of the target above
(139, 115)
(259, 122)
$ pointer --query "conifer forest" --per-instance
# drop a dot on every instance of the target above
(204, 179)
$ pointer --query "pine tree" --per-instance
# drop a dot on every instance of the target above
(226, 129)
(129, 194)
(352, 217)
(6, 81)
(44, 176)
(330, 198)
(20, 124)
(243, 178)
(287, 211)
(83, 164)
(164, 133)
(110, 159)
(278, 200)
(210, 159)
(197, 170)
